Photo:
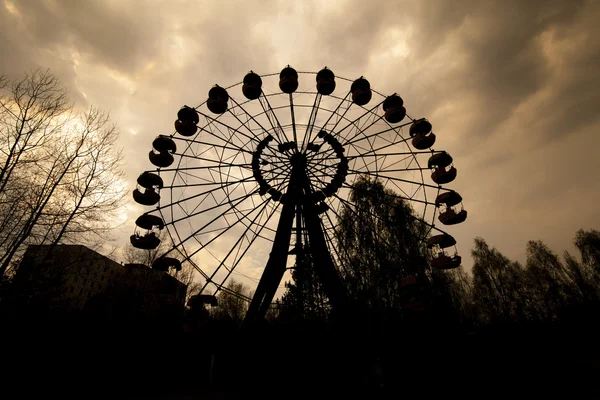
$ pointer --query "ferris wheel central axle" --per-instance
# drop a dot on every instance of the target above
(300, 204)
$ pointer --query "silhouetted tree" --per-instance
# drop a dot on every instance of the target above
(548, 284)
(305, 298)
(60, 171)
(230, 305)
(548, 289)
(588, 244)
(380, 241)
(498, 285)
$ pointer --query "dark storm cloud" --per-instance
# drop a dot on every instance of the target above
(120, 38)
(496, 59)
(510, 86)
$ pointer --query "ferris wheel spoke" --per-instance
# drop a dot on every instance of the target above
(409, 214)
(273, 154)
(244, 186)
(378, 133)
(250, 243)
(333, 250)
(340, 242)
(338, 133)
(242, 148)
(190, 142)
(258, 224)
(219, 187)
(357, 119)
(396, 163)
(284, 174)
(239, 241)
(335, 112)
(324, 176)
(326, 235)
(198, 231)
(185, 257)
(402, 170)
(205, 210)
(366, 163)
(245, 221)
(319, 163)
(264, 205)
(215, 122)
(332, 130)
(200, 142)
(331, 243)
(374, 151)
(311, 120)
(356, 172)
(272, 118)
(208, 183)
(410, 196)
(248, 166)
(370, 145)
(235, 294)
(349, 206)
(360, 130)
(325, 167)
(293, 121)
(184, 175)
(339, 117)
(407, 197)
(401, 153)
(196, 157)
(221, 286)
(248, 115)
(282, 186)
(277, 163)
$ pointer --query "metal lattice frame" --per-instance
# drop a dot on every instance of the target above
(217, 208)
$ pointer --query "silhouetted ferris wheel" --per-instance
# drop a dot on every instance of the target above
(250, 176)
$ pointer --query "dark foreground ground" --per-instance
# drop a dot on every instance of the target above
(293, 361)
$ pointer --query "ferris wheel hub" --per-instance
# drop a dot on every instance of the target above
(298, 160)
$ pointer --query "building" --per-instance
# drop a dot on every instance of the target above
(75, 278)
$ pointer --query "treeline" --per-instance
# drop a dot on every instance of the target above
(380, 245)
(548, 288)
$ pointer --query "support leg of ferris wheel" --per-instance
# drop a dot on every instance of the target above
(298, 195)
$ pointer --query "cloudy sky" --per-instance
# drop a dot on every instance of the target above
(511, 87)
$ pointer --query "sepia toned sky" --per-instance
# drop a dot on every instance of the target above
(512, 87)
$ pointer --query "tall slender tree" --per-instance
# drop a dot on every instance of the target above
(497, 284)
(304, 298)
(380, 241)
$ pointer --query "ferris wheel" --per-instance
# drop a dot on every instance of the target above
(259, 173)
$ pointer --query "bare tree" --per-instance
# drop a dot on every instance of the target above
(60, 170)
(230, 304)
(90, 193)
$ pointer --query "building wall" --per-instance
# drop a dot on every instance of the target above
(76, 274)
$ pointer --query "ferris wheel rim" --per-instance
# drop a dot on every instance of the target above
(412, 152)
